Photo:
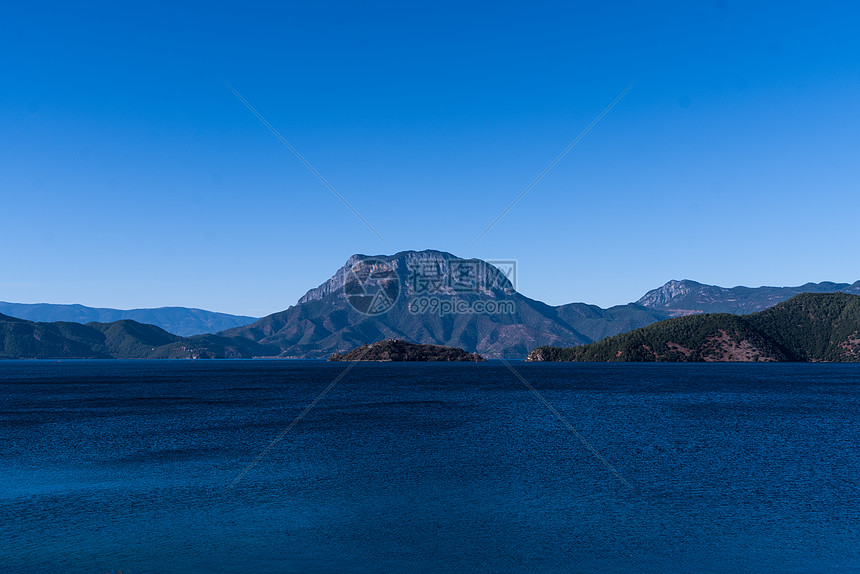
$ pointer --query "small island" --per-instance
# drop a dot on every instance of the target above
(400, 350)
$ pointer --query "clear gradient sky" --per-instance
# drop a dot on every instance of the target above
(133, 177)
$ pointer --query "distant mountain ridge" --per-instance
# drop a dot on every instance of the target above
(809, 327)
(125, 339)
(182, 321)
(690, 297)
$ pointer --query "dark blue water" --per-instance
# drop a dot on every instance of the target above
(110, 466)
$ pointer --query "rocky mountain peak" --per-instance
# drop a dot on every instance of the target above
(425, 271)
(664, 295)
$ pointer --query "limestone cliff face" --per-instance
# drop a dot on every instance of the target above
(428, 271)
(333, 285)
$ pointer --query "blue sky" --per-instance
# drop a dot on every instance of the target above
(132, 177)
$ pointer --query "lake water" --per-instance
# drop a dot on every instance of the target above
(126, 466)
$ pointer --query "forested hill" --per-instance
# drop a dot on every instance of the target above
(182, 321)
(807, 327)
(21, 339)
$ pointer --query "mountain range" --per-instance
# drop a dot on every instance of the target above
(689, 297)
(427, 297)
(181, 321)
(809, 327)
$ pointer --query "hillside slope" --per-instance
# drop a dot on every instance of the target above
(21, 339)
(808, 327)
(597, 323)
(181, 321)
